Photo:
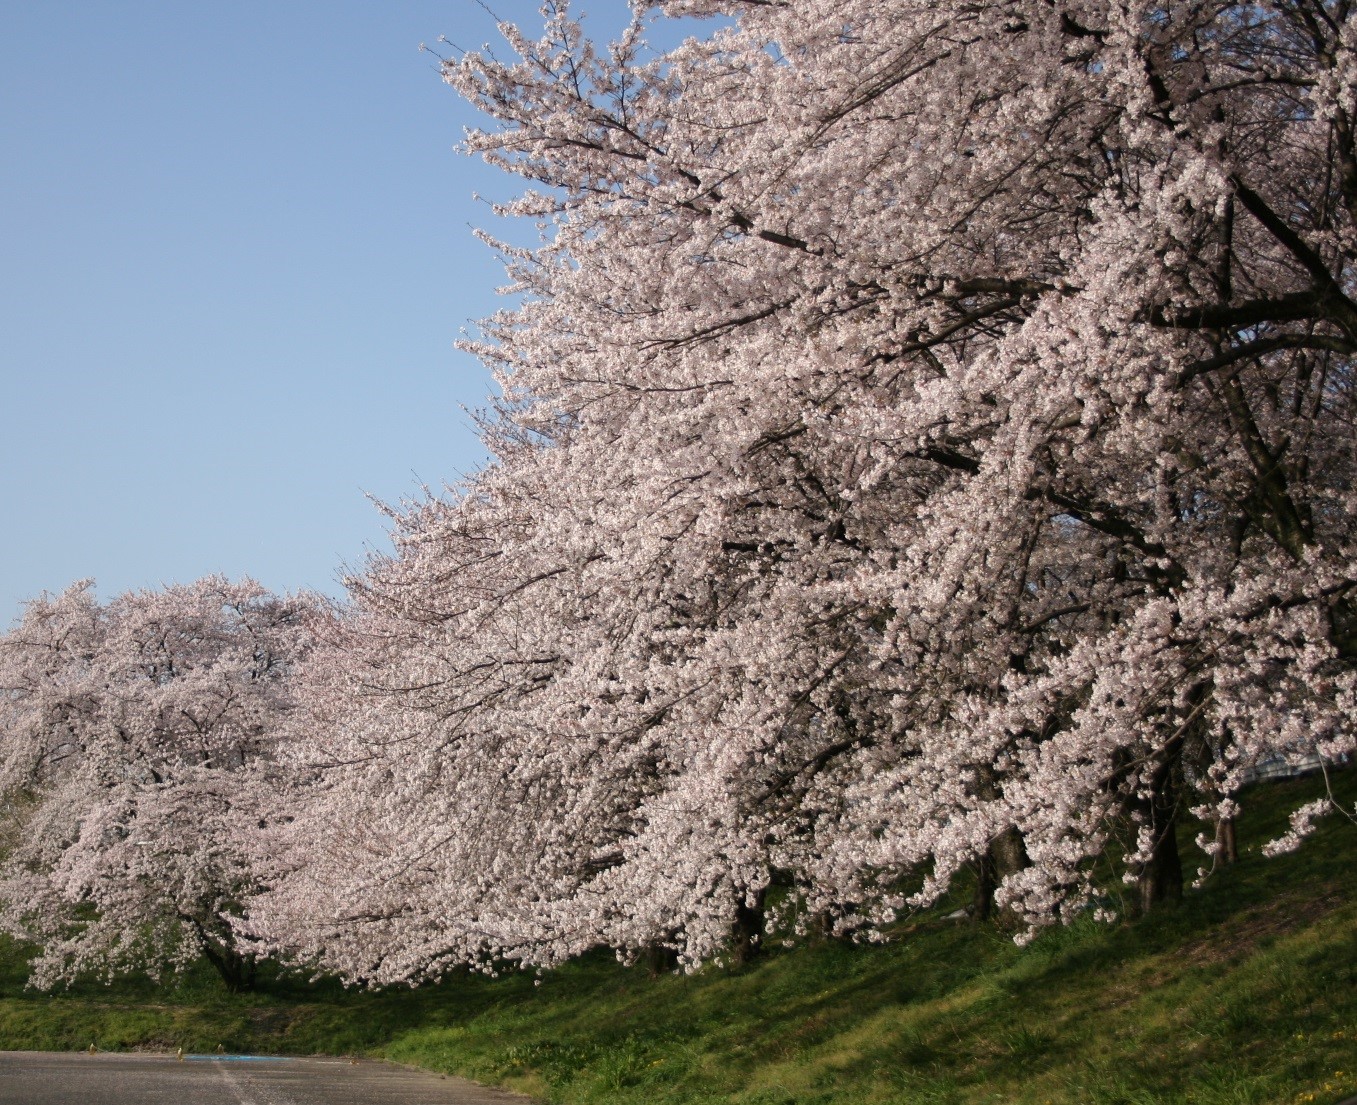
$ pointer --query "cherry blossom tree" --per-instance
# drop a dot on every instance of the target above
(925, 444)
(137, 744)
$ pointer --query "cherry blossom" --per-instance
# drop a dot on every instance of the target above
(924, 444)
(138, 743)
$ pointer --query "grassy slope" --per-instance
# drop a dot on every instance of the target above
(1246, 993)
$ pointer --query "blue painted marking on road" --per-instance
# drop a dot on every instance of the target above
(239, 1058)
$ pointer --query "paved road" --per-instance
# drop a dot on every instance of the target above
(47, 1078)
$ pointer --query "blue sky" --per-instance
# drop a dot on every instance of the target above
(236, 255)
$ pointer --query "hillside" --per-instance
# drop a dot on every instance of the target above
(1246, 993)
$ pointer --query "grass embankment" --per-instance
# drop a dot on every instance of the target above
(1245, 993)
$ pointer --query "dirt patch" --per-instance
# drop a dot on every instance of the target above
(270, 1022)
(1241, 935)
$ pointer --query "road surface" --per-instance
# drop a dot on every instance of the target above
(48, 1078)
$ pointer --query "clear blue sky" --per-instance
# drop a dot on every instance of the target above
(234, 257)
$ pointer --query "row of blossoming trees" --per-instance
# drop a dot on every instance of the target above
(926, 445)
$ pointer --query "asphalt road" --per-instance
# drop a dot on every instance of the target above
(48, 1078)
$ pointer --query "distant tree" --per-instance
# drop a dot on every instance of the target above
(926, 442)
(136, 741)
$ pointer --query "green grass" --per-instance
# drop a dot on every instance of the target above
(1245, 994)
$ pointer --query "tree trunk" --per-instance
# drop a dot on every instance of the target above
(1160, 878)
(986, 882)
(747, 932)
(1005, 856)
(237, 971)
(659, 960)
(1227, 846)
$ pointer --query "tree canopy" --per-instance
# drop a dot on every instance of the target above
(925, 444)
(138, 740)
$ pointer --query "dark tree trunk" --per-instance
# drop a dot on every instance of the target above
(822, 926)
(1343, 627)
(659, 960)
(1160, 878)
(1227, 846)
(747, 932)
(986, 882)
(1010, 854)
(237, 971)
(822, 929)
(1005, 856)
